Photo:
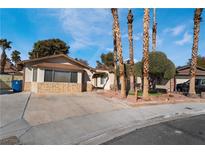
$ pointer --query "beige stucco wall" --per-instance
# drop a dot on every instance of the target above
(109, 81)
(28, 74)
(40, 75)
(79, 78)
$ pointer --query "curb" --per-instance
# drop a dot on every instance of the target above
(105, 135)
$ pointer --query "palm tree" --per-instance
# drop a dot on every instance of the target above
(119, 50)
(15, 56)
(146, 53)
(197, 19)
(115, 58)
(154, 31)
(129, 22)
(4, 45)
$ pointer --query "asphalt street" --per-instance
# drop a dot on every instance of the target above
(188, 131)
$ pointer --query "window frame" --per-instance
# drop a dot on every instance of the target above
(45, 75)
(69, 73)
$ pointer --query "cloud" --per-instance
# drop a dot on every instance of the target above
(175, 31)
(87, 27)
(159, 40)
(109, 49)
(186, 39)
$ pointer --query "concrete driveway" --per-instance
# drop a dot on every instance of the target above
(45, 108)
(86, 118)
(12, 107)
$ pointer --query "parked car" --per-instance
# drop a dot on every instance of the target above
(199, 86)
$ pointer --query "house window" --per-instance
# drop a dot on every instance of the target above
(34, 74)
(48, 77)
(60, 76)
(74, 77)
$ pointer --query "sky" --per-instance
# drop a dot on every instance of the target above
(89, 31)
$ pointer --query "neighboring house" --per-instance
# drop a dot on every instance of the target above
(183, 74)
(60, 74)
(9, 67)
(10, 73)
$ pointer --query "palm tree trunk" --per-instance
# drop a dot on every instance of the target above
(132, 79)
(146, 54)
(115, 59)
(119, 51)
(3, 60)
(154, 31)
(197, 19)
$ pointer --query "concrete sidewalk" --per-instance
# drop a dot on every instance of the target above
(101, 127)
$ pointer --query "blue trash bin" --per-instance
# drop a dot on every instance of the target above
(17, 85)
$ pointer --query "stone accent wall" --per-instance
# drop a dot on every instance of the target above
(89, 87)
(27, 86)
(54, 87)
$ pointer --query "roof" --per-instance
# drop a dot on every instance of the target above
(59, 66)
(56, 56)
(9, 67)
(185, 71)
(99, 74)
(105, 68)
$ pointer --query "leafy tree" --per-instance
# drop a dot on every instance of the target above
(108, 59)
(4, 44)
(99, 64)
(200, 61)
(82, 61)
(160, 68)
(138, 69)
(15, 56)
(48, 47)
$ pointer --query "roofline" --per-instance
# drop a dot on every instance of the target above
(53, 56)
(183, 67)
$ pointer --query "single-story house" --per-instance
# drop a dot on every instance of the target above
(62, 74)
(183, 74)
